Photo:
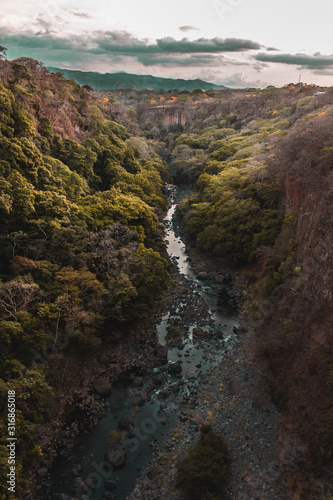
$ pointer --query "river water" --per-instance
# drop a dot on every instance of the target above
(156, 397)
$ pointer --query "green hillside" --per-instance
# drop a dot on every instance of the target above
(115, 81)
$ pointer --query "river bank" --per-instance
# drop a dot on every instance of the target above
(196, 365)
(235, 399)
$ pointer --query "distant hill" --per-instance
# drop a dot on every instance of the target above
(114, 81)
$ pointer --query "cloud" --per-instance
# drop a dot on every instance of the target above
(323, 72)
(216, 44)
(316, 61)
(124, 42)
(208, 74)
(188, 28)
(44, 23)
(121, 47)
(39, 40)
(259, 66)
(194, 60)
(83, 15)
(270, 49)
(239, 80)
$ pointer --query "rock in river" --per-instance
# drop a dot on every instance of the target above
(116, 454)
(126, 423)
(198, 333)
(110, 485)
(175, 368)
(202, 276)
(161, 351)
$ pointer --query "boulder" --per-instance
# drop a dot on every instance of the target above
(158, 379)
(110, 485)
(161, 351)
(175, 368)
(77, 471)
(116, 454)
(81, 489)
(202, 276)
(126, 423)
(43, 472)
(198, 333)
(108, 496)
(163, 394)
(102, 386)
(91, 483)
(138, 382)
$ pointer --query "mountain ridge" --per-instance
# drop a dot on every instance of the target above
(123, 80)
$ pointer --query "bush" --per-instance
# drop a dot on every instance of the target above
(205, 468)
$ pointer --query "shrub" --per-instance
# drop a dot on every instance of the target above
(205, 468)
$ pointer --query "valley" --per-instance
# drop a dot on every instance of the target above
(165, 265)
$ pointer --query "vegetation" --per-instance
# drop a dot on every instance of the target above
(81, 248)
(260, 163)
(204, 469)
(81, 253)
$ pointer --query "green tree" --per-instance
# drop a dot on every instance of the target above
(205, 467)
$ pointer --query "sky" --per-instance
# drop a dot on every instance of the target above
(237, 43)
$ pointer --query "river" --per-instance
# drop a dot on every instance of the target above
(204, 314)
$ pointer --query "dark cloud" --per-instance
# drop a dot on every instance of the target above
(38, 41)
(116, 46)
(194, 60)
(188, 28)
(316, 61)
(323, 72)
(216, 44)
(270, 49)
(124, 42)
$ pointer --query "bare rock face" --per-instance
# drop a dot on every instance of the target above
(102, 386)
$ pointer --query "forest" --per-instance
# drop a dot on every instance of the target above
(80, 236)
(82, 254)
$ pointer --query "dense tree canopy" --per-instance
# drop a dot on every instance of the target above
(79, 229)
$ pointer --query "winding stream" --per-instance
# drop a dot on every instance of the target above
(157, 396)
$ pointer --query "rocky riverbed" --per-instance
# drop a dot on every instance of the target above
(234, 399)
(143, 407)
